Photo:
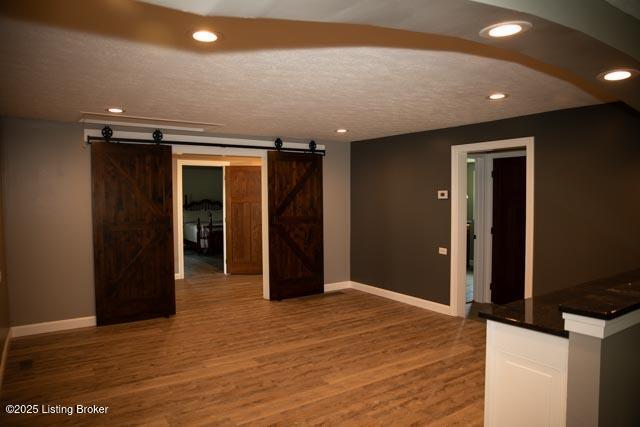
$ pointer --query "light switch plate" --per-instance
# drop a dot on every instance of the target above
(442, 251)
(443, 194)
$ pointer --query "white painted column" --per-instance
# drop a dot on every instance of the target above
(526, 377)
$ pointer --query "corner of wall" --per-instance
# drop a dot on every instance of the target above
(5, 318)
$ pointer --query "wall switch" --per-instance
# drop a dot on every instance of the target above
(443, 194)
(442, 251)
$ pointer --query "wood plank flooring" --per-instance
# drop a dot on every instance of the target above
(229, 357)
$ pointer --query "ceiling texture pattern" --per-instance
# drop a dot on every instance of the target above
(272, 78)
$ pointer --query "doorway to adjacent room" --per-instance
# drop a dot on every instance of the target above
(203, 220)
(138, 204)
(219, 210)
(492, 223)
(496, 217)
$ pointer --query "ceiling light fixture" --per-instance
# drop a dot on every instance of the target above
(116, 110)
(497, 96)
(341, 131)
(618, 74)
(505, 29)
(205, 36)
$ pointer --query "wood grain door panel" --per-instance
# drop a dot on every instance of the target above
(243, 191)
(133, 237)
(296, 260)
(508, 236)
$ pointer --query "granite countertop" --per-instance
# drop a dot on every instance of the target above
(605, 299)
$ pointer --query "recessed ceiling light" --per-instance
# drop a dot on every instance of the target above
(496, 96)
(505, 29)
(341, 131)
(617, 75)
(205, 36)
(116, 110)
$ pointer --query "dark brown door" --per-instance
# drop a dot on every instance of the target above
(509, 216)
(132, 232)
(296, 264)
(244, 220)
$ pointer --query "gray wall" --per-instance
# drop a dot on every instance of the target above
(200, 182)
(587, 199)
(48, 219)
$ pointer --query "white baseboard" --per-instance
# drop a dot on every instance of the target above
(406, 299)
(328, 287)
(5, 351)
(83, 322)
(178, 276)
(58, 325)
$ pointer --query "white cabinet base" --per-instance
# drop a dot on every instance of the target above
(526, 377)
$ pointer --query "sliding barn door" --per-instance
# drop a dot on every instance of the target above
(296, 265)
(244, 219)
(132, 232)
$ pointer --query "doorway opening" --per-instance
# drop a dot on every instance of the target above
(491, 224)
(203, 225)
(218, 207)
(496, 210)
(138, 199)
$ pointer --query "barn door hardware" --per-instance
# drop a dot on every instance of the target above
(157, 138)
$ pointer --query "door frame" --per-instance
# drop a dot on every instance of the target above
(180, 215)
(483, 207)
(264, 193)
(459, 154)
(479, 201)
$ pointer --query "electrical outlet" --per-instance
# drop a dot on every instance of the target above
(442, 251)
(443, 194)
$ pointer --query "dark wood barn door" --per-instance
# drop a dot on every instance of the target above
(244, 219)
(132, 232)
(509, 218)
(296, 263)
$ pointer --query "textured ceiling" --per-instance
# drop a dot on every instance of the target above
(562, 30)
(56, 73)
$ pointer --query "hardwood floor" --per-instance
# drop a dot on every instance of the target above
(229, 357)
(202, 264)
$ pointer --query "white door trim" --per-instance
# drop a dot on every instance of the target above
(479, 200)
(178, 205)
(458, 251)
(264, 182)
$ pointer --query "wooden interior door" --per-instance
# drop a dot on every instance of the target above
(244, 219)
(508, 230)
(132, 232)
(296, 263)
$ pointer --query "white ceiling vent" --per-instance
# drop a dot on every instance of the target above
(147, 122)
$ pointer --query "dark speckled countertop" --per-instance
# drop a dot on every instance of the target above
(606, 299)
